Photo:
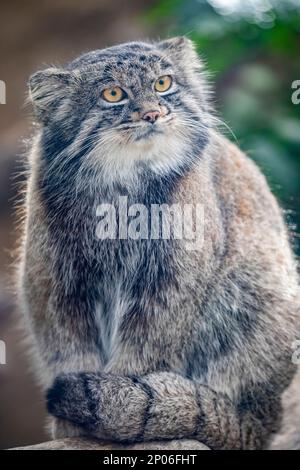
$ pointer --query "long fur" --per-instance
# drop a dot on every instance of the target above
(145, 339)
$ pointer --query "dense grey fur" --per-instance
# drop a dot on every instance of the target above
(138, 339)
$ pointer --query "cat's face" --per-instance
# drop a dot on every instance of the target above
(125, 106)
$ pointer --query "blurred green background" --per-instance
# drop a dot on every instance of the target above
(251, 49)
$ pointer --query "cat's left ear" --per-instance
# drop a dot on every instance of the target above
(181, 50)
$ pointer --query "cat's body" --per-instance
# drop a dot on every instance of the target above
(159, 341)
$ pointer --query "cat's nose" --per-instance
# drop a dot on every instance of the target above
(151, 116)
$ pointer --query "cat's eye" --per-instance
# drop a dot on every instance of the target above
(163, 83)
(113, 95)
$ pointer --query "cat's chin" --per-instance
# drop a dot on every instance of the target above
(148, 141)
(148, 134)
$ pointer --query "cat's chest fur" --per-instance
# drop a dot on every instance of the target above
(124, 267)
(113, 279)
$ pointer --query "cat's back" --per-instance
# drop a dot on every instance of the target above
(242, 186)
(256, 232)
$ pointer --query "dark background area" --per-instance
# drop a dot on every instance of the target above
(251, 48)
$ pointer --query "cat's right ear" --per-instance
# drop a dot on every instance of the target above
(179, 48)
(182, 51)
(47, 88)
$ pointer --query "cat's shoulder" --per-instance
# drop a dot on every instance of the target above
(236, 174)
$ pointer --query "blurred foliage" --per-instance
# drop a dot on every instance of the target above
(251, 48)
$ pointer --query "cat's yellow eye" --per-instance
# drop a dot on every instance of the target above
(113, 95)
(163, 83)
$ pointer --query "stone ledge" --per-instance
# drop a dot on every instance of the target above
(88, 444)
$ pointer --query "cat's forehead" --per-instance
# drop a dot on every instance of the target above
(125, 59)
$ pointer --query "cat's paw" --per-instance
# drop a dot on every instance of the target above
(70, 399)
(103, 405)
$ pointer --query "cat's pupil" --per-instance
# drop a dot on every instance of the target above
(161, 82)
(113, 92)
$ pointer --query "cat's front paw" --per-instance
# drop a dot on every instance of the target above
(69, 399)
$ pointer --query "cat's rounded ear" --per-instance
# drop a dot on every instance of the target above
(47, 88)
(179, 49)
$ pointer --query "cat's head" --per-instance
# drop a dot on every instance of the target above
(125, 107)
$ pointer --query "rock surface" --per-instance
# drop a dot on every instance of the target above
(87, 444)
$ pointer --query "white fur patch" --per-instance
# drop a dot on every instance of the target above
(118, 152)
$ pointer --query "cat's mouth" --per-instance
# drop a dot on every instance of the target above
(148, 132)
(142, 131)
